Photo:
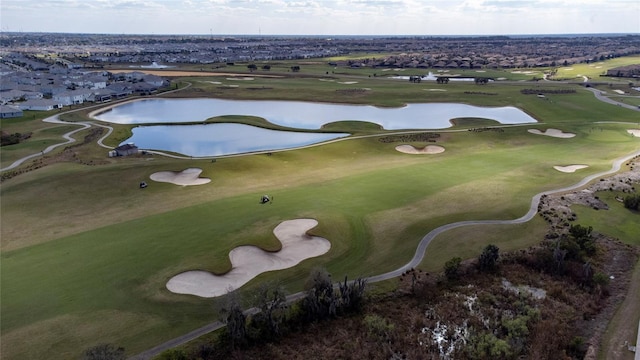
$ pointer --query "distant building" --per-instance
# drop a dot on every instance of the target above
(9, 112)
(124, 150)
(39, 105)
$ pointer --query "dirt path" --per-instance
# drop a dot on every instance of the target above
(622, 328)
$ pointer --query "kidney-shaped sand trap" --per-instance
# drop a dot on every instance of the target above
(634, 132)
(429, 149)
(185, 177)
(553, 133)
(248, 262)
(570, 168)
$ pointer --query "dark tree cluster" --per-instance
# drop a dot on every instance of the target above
(547, 91)
(12, 139)
(632, 202)
(409, 137)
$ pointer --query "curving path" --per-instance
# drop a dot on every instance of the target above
(414, 262)
(55, 119)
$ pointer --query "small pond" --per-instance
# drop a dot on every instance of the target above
(222, 139)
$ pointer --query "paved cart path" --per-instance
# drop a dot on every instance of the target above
(415, 261)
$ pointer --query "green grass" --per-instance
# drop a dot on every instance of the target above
(595, 70)
(86, 254)
(618, 221)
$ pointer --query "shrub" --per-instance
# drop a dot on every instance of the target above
(451, 268)
(104, 352)
(632, 202)
(489, 258)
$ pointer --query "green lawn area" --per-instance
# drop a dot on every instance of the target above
(86, 254)
(596, 69)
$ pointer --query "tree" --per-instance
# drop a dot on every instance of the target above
(488, 258)
(352, 294)
(295, 68)
(252, 67)
(272, 301)
(321, 301)
(582, 236)
(451, 268)
(266, 67)
(104, 352)
(632, 202)
(232, 315)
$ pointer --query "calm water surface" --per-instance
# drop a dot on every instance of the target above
(225, 139)
(306, 115)
(221, 139)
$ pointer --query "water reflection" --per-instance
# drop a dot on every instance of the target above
(305, 115)
(221, 139)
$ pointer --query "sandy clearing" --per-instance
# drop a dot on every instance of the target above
(185, 177)
(429, 149)
(553, 133)
(570, 168)
(249, 261)
(634, 132)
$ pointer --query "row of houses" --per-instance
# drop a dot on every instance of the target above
(60, 87)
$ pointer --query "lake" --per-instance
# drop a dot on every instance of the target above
(192, 140)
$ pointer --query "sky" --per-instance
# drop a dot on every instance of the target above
(322, 17)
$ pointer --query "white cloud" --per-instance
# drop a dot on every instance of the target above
(411, 17)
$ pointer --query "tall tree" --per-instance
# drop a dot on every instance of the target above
(488, 258)
(232, 315)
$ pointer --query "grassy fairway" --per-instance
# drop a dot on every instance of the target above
(86, 254)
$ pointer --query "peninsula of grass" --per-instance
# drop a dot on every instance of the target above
(86, 253)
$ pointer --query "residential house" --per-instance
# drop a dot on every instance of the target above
(120, 90)
(9, 112)
(124, 150)
(102, 95)
(154, 80)
(72, 97)
(39, 105)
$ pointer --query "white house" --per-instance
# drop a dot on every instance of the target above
(73, 96)
(9, 112)
(154, 80)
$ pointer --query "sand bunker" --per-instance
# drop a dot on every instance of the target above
(241, 78)
(429, 149)
(634, 132)
(347, 82)
(249, 261)
(553, 133)
(185, 177)
(434, 89)
(570, 168)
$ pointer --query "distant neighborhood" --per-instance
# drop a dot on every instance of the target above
(32, 85)
(51, 71)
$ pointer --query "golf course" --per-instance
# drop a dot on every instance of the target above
(87, 254)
